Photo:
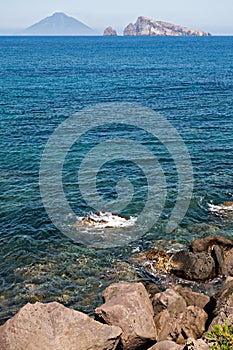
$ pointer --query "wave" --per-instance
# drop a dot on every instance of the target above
(225, 209)
(105, 220)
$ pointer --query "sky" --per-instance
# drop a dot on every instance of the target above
(213, 16)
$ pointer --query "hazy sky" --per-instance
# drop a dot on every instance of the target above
(210, 15)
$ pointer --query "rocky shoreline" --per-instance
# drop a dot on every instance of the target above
(142, 315)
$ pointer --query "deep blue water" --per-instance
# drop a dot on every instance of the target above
(43, 81)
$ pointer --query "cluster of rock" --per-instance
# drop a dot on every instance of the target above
(137, 315)
(148, 27)
(205, 259)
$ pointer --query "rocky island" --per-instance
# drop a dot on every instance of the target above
(148, 27)
(109, 31)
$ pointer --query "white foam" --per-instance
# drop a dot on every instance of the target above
(106, 220)
(221, 209)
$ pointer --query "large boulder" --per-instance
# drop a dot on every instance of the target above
(190, 324)
(173, 302)
(128, 306)
(193, 266)
(193, 298)
(175, 320)
(223, 311)
(205, 244)
(227, 264)
(54, 327)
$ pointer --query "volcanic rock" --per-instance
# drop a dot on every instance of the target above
(128, 306)
(198, 266)
(54, 327)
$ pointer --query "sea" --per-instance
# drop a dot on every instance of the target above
(44, 81)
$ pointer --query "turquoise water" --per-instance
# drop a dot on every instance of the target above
(44, 81)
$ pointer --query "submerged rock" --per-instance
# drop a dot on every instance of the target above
(54, 327)
(128, 306)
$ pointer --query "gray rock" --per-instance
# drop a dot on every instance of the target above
(54, 327)
(109, 31)
(128, 306)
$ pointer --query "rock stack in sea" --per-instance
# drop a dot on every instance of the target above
(141, 315)
(109, 31)
(148, 27)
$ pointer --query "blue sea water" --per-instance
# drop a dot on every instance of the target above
(43, 81)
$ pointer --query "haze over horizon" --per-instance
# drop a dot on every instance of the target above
(197, 14)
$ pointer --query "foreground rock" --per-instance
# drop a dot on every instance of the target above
(193, 344)
(148, 27)
(109, 31)
(223, 311)
(175, 320)
(54, 327)
(128, 306)
(166, 345)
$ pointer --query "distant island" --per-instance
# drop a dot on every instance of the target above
(59, 24)
(148, 27)
(109, 31)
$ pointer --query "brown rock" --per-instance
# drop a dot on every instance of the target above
(218, 256)
(227, 265)
(109, 31)
(170, 300)
(198, 266)
(205, 244)
(151, 288)
(166, 345)
(190, 323)
(128, 306)
(192, 298)
(224, 304)
(55, 327)
(164, 324)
